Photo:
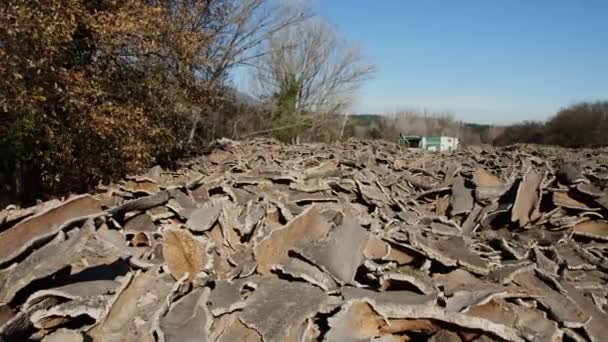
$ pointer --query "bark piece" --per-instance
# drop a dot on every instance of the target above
(142, 203)
(462, 198)
(226, 297)
(5, 314)
(140, 223)
(461, 301)
(341, 253)
(56, 255)
(36, 228)
(387, 297)
(64, 335)
(277, 307)
(527, 198)
(188, 319)
(532, 323)
(417, 278)
(483, 178)
(12, 214)
(472, 221)
(57, 315)
(131, 314)
(445, 336)
(356, 321)
(273, 249)
(562, 307)
(506, 274)
(452, 251)
(144, 186)
(301, 269)
(202, 219)
(159, 213)
(596, 327)
(376, 248)
(255, 213)
(460, 319)
(84, 289)
(593, 229)
(401, 254)
(186, 253)
(461, 280)
(562, 199)
(237, 331)
(544, 263)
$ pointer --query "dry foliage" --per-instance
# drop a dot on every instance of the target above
(91, 90)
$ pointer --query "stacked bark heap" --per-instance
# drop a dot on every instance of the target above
(360, 241)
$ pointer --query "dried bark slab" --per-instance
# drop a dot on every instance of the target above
(56, 255)
(452, 251)
(507, 274)
(341, 253)
(461, 301)
(11, 214)
(562, 307)
(461, 280)
(254, 214)
(527, 198)
(188, 319)
(483, 178)
(301, 269)
(145, 186)
(235, 330)
(376, 248)
(462, 198)
(592, 229)
(445, 336)
(356, 321)
(226, 297)
(459, 319)
(186, 253)
(533, 323)
(379, 299)
(131, 315)
(277, 307)
(84, 289)
(273, 249)
(202, 219)
(142, 203)
(416, 278)
(140, 223)
(562, 199)
(5, 314)
(544, 263)
(36, 228)
(58, 315)
(64, 335)
(596, 327)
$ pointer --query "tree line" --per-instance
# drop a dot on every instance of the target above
(583, 124)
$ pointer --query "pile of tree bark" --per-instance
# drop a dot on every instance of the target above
(360, 241)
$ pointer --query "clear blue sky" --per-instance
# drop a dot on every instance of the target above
(488, 61)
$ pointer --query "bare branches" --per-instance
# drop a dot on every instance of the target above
(309, 56)
(249, 24)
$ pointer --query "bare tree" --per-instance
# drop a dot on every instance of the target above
(236, 34)
(308, 69)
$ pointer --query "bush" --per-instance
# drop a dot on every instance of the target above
(581, 125)
(88, 88)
